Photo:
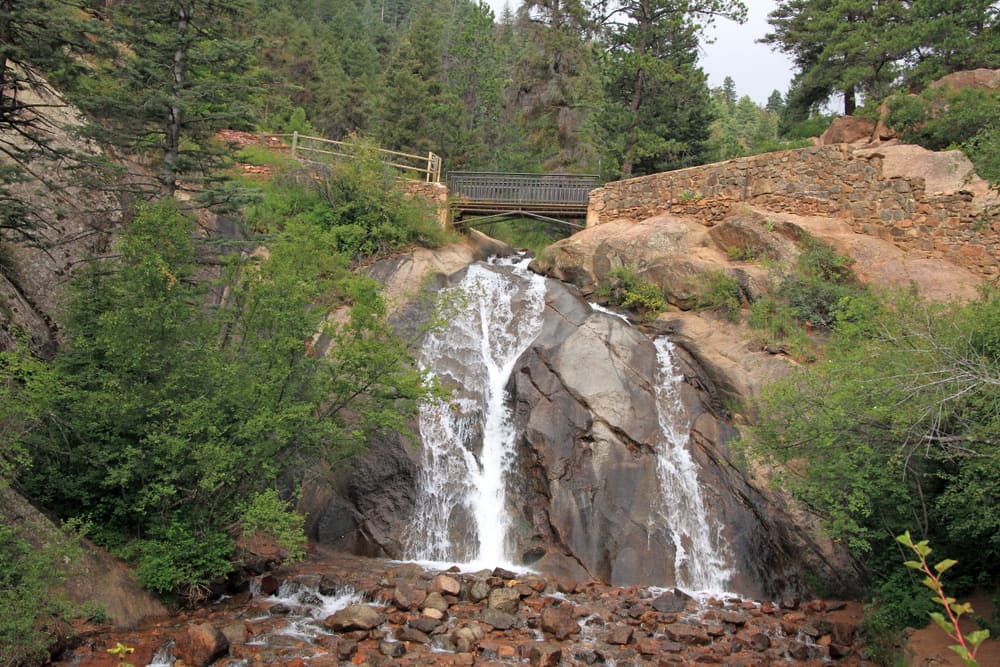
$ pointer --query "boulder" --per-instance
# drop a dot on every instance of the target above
(848, 130)
(445, 585)
(201, 645)
(559, 622)
(354, 617)
(507, 600)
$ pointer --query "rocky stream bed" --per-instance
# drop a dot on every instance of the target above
(335, 609)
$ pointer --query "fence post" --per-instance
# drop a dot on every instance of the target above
(295, 143)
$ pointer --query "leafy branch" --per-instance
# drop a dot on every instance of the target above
(967, 645)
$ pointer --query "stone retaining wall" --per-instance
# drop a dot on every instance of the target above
(435, 194)
(830, 181)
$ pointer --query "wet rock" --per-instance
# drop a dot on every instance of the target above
(445, 585)
(201, 645)
(346, 649)
(687, 634)
(800, 650)
(545, 655)
(671, 602)
(619, 634)
(279, 609)
(507, 575)
(432, 613)
(733, 618)
(407, 597)
(391, 649)
(267, 584)
(506, 600)
(465, 638)
(236, 633)
(425, 624)
(558, 622)
(497, 619)
(354, 617)
(760, 642)
(411, 634)
(436, 601)
(479, 590)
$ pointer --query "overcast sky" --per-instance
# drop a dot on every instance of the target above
(754, 67)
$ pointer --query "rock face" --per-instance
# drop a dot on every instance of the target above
(586, 409)
(36, 267)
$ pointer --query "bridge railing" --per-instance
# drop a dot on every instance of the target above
(507, 188)
(320, 150)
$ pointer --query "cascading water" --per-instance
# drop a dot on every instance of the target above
(468, 441)
(700, 561)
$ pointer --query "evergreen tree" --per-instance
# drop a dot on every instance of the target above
(656, 107)
(553, 85)
(182, 77)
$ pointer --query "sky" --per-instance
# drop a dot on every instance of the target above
(755, 69)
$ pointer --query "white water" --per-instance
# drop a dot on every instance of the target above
(700, 561)
(461, 512)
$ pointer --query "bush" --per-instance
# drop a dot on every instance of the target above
(941, 118)
(31, 610)
(267, 512)
(721, 292)
(182, 559)
(622, 287)
(359, 201)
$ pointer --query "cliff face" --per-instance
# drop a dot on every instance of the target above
(73, 212)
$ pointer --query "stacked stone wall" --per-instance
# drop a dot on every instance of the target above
(830, 181)
(435, 194)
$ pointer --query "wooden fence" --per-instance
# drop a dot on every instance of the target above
(319, 150)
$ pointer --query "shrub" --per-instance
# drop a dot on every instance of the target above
(942, 118)
(623, 288)
(268, 513)
(721, 292)
(183, 558)
(31, 609)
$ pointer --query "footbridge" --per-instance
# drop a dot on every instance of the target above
(482, 197)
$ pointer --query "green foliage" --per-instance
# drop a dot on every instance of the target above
(898, 601)
(721, 292)
(171, 412)
(359, 205)
(968, 644)
(121, 651)
(942, 118)
(897, 426)
(622, 287)
(267, 512)
(180, 558)
(31, 608)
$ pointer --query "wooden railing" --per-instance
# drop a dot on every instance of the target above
(319, 150)
(527, 189)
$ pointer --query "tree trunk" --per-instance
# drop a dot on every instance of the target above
(850, 103)
(172, 138)
(628, 158)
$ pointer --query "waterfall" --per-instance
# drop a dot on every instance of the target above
(461, 514)
(700, 561)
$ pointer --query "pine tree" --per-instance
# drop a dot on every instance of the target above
(182, 77)
(657, 108)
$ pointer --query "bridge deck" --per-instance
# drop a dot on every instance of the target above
(492, 193)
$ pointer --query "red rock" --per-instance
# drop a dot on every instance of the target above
(558, 622)
(687, 634)
(619, 634)
(545, 655)
(407, 597)
(201, 644)
(446, 585)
